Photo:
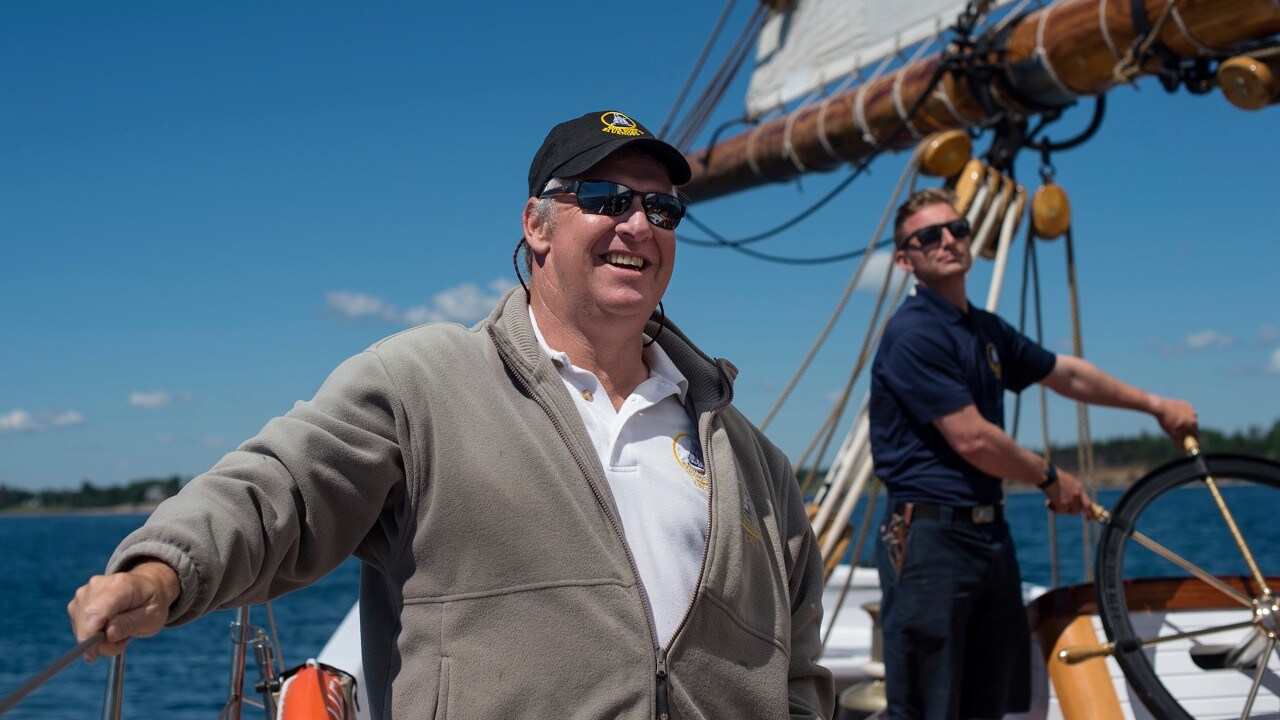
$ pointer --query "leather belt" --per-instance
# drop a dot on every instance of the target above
(972, 515)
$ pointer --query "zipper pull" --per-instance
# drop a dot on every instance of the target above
(663, 713)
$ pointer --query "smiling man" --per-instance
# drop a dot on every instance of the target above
(956, 643)
(559, 512)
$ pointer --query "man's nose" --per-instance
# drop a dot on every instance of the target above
(634, 220)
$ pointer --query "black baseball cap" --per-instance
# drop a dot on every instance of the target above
(575, 146)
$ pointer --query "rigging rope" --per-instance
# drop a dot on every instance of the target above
(1129, 66)
(878, 148)
(698, 116)
(697, 66)
(908, 172)
(1084, 441)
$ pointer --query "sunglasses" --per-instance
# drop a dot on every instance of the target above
(601, 197)
(931, 235)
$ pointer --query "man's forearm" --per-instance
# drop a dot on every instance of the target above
(988, 448)
(1081, 380)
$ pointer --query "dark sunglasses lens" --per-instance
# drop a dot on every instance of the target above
(958, 228)
(599, 198)
(930, 235)
(664, 211)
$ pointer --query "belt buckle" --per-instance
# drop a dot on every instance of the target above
(983, 514)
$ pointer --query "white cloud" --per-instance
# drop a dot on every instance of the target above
(22, 421)
(19, 421)
(465, 304)
(65, 419)
(1273, 367)
(1207, 339)
(153, 400)
(358, 306)
(873, 274)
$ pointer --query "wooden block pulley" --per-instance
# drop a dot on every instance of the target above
(967, 183)
(944, 154)
(1249, 83)
(1050, 211)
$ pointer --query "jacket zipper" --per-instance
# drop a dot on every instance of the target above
(663, 713)
(705, 435)
(586, 473)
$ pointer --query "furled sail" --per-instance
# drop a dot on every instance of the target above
(817, 42)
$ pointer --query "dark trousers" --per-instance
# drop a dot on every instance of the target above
(956, 643)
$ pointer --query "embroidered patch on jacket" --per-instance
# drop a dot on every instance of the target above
(993, 359)
(750, 525)
(689, 454)
(619, 124)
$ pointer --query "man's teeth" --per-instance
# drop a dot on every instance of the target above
(625, 260)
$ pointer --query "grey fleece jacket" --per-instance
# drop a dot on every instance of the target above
(496, 580)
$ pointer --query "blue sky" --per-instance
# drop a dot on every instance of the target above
(208, 207)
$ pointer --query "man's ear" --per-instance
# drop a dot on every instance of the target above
(901, 259)
(535, 230)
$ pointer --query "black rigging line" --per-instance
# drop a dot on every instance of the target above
(721, 242)
(878, 149)
(1046, 146)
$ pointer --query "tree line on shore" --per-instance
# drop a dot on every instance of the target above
(138, 492)
(1146, 450)
(1150, 449)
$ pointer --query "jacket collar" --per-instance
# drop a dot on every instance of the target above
(710, 380)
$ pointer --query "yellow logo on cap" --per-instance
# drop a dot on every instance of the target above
(619, 124)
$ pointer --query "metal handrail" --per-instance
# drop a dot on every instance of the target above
(243, 635)
(12, 699)
(114, 700)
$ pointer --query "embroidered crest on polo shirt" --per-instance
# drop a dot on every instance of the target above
(689, 454)
(993, 359)
(619, 124)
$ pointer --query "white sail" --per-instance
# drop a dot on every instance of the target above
(818, 42)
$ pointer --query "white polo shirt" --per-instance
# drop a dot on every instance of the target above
(653, 459)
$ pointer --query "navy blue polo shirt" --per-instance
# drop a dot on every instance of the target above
(933, 360)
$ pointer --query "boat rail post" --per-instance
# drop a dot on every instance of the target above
(240, 639)
(264, 653)
(114, 700)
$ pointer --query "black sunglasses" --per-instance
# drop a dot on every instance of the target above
(931, 235)
(601, 197)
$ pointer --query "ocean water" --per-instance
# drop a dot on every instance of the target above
(183, 673)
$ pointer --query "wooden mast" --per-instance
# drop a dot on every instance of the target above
(1061, 52)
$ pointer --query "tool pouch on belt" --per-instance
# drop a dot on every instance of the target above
(894, 536)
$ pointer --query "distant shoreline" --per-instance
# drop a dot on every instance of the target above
(128, 509)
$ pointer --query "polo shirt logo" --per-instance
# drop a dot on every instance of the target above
(993, 359)
(619, 124)
(689, 454)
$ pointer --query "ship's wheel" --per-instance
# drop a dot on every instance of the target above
(1203, 638)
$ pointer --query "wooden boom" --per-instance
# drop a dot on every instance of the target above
(1051, 56)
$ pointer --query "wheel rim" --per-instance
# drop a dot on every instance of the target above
(1250, 482)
